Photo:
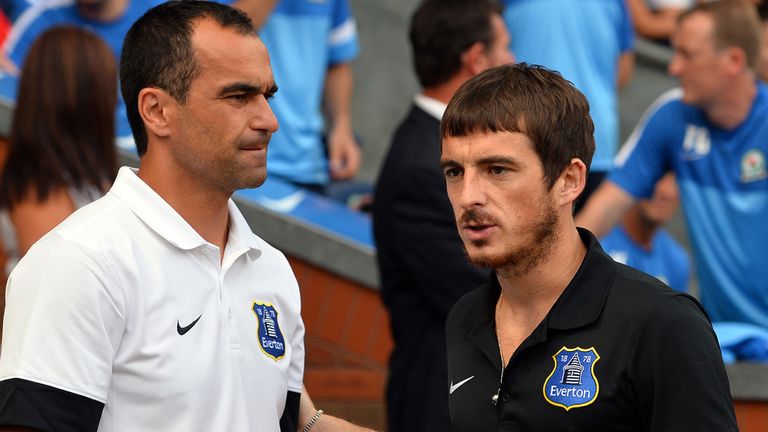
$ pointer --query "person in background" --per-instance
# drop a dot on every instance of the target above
(590, 43)
(711, 133)
(639, 241)
(423, 267)
(656, 19)
(62, 152)
(311, 45)
(762, 66)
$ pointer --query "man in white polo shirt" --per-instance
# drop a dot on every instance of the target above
(156, 308)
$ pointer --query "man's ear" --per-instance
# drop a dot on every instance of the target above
(474, 59)
(156, 108)
(571, 183)
(736, 60)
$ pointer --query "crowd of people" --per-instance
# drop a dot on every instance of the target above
(486, 212)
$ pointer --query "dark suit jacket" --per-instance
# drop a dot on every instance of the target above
(424, 271)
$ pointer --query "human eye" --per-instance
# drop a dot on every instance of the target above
(451, 172)
(497, 170)
(238, 97)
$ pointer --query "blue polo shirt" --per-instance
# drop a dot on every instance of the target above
(724, 190)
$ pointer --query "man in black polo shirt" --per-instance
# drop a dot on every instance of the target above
(561, 337)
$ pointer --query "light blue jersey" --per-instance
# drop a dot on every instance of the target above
(724, 190)
(304, 38)
(583, 40)
(40, 15)
(665, 260)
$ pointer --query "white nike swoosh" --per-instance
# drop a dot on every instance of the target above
(458, 384)
(283, 205)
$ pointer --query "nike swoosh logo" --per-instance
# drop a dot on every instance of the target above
(458, 384)
(182, 330)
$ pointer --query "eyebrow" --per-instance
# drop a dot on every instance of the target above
(492, 160)
(248, 88)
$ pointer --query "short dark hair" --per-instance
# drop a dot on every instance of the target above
(158, 52)
(528, 99)
(63, 127)
(736, 24)
(441, 30)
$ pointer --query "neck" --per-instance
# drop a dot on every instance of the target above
(731, 110)
(206, 210)
(104, 11)
(639, 228)
(444, 92)
(530, 296)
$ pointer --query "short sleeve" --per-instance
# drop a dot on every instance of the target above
(64, 319)
(677, 371)
(626, 30)
(296, 369)
(646, 155)
(343, 44)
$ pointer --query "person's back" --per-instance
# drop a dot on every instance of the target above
(590, 43)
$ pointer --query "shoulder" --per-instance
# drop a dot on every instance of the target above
(639, 298)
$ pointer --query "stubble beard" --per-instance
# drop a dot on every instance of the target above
(519, 260)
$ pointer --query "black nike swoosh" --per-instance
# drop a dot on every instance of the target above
(182, 330)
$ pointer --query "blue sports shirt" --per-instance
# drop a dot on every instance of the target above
(304, 38)
(666, 260)
(724, 190)
(583, 40)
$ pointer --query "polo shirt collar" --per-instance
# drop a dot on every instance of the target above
(580, 303)
(154, 211)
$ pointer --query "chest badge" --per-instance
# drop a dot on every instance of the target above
(752, 166)
(271, 339)
(572, 383)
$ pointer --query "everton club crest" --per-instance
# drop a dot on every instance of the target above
(271, 339)
(572, 383)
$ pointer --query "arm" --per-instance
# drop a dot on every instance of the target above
(654, 25)
(343, 151)
(33, 218)
(604, 208)
(676, 371)
(257, 10)
(326, 422)
(626, 69)
(74, 309)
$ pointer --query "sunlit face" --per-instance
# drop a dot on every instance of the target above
(664, 203)
(498, 52)
(505, 214)
(697, 62)
(222, 130)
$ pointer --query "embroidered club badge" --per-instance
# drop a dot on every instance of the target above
(271, 339)
(753, 166)
(572, 383)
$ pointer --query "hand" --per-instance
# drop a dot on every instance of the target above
(343, 153)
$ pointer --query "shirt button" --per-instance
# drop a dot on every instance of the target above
(505, 397)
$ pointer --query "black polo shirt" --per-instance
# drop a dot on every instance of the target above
(618, 351)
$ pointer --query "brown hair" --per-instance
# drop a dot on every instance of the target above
(736, 24)
(528, 99)
(63, 131)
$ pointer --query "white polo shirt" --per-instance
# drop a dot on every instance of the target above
(124, 303)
